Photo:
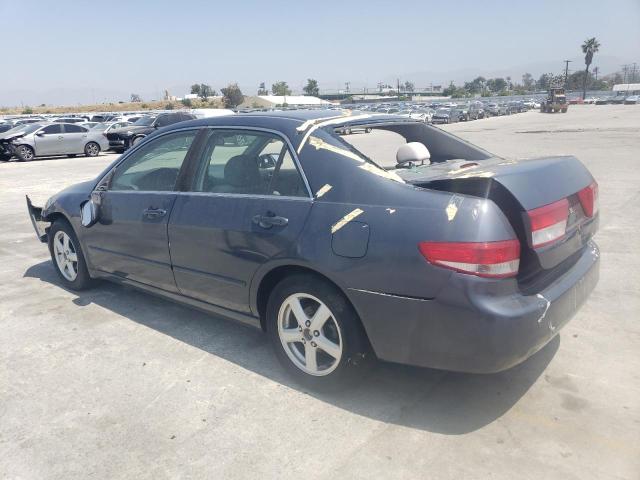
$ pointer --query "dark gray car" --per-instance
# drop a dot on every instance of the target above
(452, 258)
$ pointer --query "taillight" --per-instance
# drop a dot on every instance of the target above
(589, 199)
(548, 223)
(484, 259)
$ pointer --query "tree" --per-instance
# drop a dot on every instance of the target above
(280, 88)
(262, 90)
(589, 48)
(409, 86)
(232, 95)
(135, 98)
(195, 89)
(312, 87)
(528, 82)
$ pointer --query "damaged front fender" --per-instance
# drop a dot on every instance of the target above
(40, 225)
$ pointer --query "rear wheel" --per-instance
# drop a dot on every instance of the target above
(91, 149)
(25, 153)
(316, 334)
(68, 258)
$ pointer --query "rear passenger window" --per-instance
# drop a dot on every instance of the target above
(248, 163)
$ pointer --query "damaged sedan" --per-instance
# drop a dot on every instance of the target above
(432, 252)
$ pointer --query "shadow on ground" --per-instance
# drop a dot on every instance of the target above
(443, 402)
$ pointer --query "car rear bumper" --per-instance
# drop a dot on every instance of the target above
(470, 328)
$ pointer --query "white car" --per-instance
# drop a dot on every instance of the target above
(45, 139)
(590, 100)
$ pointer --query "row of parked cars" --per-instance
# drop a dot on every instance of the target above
(450, 112)
(617, 100)
(27, 138)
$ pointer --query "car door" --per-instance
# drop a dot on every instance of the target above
(130, 240)
(247, 205)
(48, 140)
(74, 138)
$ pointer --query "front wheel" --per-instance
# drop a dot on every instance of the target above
(92, 149)
(68, 258)
(316, 334)
(136, 140)
(25, 153)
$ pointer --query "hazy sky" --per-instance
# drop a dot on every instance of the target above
(115, 46)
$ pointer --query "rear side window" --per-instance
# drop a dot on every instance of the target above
(248, 162)
(155, 166)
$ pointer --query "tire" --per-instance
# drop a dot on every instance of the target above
(73, 274)
(92, 149)
(25, 153)
(367, 130)
(341, 332)
(136, 140)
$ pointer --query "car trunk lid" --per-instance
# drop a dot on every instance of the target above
(534, 195)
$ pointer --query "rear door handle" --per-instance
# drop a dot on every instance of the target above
(154, 212)
(269, 220)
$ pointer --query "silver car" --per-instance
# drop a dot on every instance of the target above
(45, 139)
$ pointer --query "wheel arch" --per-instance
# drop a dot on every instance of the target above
(267, 282)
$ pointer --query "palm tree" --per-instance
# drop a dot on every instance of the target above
(589, 47)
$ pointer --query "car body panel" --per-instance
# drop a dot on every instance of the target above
(208, 253)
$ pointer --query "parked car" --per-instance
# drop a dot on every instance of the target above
(445, 115)
(46, 139)
(495, 109)
(602, 101)
(7, 137)
(452, 259)
(632, 100)
(123, 138)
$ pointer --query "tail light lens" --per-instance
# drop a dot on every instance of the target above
(589, 199)
(484, 259)
(548, 223)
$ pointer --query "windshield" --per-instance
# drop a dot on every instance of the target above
(99, 126)
(144, 121)
(26, 128)
(442, 110)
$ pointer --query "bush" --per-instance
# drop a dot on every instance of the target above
(186, 102)
(169, 106)
(27, 111)
(144, 105)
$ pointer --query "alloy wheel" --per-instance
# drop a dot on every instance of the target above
(92, 149)
(310, 334)
(66, 256)
(26, 153)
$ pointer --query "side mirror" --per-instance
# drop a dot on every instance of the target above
(89, 213)
(40, 133)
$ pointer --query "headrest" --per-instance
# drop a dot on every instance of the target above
(242, 171)
(413, 152)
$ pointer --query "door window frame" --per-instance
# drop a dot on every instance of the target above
(196, 158)
(104, 184)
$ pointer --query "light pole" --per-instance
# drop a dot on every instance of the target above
(566, 73)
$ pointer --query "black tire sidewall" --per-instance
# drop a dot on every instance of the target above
(82, 280)
(355, 354)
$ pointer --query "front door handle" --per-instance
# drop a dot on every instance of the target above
(154, 212)
(269, 220)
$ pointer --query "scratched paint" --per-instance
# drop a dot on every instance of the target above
(452, 207)
(547, 304)
(346, 219)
